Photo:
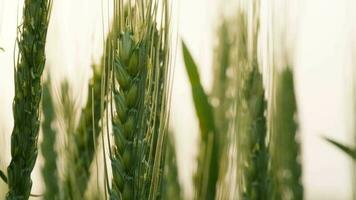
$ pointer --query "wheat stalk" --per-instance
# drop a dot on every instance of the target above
(31, 61)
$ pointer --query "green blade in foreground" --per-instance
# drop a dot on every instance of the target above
(202, 106)
(208, 163)
(348, 150)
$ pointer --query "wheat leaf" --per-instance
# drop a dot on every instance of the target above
(207, 174)
(202, 105)
(348, 150)
(3, 176)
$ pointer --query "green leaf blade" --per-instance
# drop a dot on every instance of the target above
(206, 176)
(348, 150)
(202, 106)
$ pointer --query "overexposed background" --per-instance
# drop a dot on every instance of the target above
(320, 34)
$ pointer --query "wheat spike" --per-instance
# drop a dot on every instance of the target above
(140, 88)
(28, 90)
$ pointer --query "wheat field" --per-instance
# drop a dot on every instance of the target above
(177, 99)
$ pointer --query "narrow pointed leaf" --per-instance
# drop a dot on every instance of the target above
(3, 176)
(206, 176)
(202, 105)
(348, 150)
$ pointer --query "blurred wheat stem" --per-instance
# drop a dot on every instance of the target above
(28, 90)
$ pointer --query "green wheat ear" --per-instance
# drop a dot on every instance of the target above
(223, 97)
(66, 114)
(140, 83)
(285, 165)
(222, 83)
(86, 134)
(251, 106)
(83, 143)
(171, 188)
(31, 42)
(251, 123)
(129, 75)
(208, 158)
(80, 141)
(49, 170)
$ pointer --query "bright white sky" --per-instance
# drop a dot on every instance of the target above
(322, 59)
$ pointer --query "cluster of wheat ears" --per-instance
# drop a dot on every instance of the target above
(248, 149)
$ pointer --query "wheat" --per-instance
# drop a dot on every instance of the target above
(85, 136)
(285, 149)
(251, 120)
(31, 61)
(125, 122)
(66, 111)
(82, 139)
(251, 129)
(206, 175)
(344, 148)
(223, 100)
(140, 90)
(221, 83)
(49, 170)
(171, 188)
